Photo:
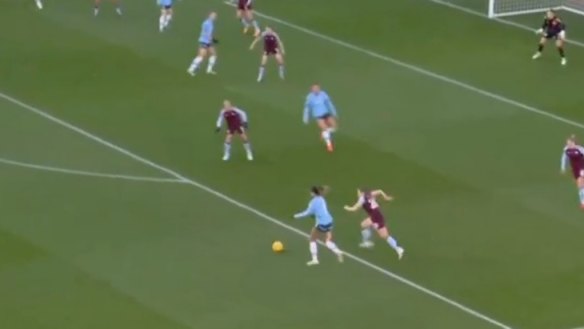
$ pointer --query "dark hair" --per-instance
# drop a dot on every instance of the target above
(319, 189)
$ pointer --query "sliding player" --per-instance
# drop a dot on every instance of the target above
(320, 107)
(552, 28)
(317, 208)
(574, 154)
(368, 201)
(245, 13)
(206, 46)
(273, 46)
(117, 3)
(165, 14)
(39, 4)
(236, 121)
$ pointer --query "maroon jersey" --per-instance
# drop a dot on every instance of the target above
(235, 119)
(371, 207)
(271, 44)
(574, 155)
(244, 4)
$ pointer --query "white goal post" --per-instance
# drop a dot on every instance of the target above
(501, 8)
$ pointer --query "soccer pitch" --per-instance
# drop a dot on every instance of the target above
(117, 211)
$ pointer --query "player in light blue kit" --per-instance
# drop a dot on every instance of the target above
(320, 107)
(165, 14)
(206, 46)
(317, 208)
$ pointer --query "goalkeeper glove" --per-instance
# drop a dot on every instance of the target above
(215, 41)
(245, 125)
(218, 129)
(539, 31)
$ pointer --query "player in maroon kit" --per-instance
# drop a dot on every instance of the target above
(273, 46)
(245, 14)
(574, 154)
(236, 121)
(368, 201)
(552, 28)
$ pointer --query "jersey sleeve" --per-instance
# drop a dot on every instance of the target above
(242, 114)
(564, 160)
(330, 105)
(220, 119)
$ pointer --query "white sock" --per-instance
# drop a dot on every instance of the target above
(161, 22)
(392, 243)
(167, 19)
(212, 61)
(314, 251)
(326, 135)
(247, 147)
(195, 64)
(333, 247)
(366, 234)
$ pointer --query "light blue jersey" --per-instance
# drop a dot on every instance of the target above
(318, 105)
(318, 209)
(165, 3)
(207, 28)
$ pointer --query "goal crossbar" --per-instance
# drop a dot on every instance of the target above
(503, 8)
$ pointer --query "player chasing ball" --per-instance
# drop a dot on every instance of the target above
(367, 200)
(273, 46)
(206, 46)
(320, 107)
(574, 154)
(245, 14)
(236, 121)
(165, 14)
(552, 28)
(117, 3)
(317, 208)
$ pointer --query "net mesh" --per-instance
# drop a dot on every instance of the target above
(512, 7)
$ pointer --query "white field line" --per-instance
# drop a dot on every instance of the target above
(88, 173)
(421, 70)
(498, 20)
(250, 209)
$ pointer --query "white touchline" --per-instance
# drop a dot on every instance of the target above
(88, 173)
(250, 209)
(499, 20)
(422, 71)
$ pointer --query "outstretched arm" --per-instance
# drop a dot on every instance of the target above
(252, 46)
(354, 207)
(309, 211)
(377, 193)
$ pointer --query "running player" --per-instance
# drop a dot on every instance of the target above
(39, 4)
(574, 154)
(320, 107)
(165, 14)
(368, 201)
(117, 3)
(317, 208)
(273, 46)
(245, 13)
(236, 121)
(206, 46)
(552, 28)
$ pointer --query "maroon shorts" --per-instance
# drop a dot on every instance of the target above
(577, 172)
(271, 51)
(378, 220)
(235, 130)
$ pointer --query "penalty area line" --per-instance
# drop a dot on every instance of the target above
(88, 173)
(258, 213)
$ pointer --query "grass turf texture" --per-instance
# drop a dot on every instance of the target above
(481, 208)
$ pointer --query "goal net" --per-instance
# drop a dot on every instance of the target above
(500, 8)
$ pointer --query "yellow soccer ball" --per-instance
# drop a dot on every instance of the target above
(277, 246)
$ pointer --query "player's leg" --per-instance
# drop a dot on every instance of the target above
(280, 61)
(246, 145)
(212, 60)
(366, 225)
(227, 146)
(197, 60)
(325, 133)
(263, 63)
(96, 6)
(39, 4)
(540, 47)
(162, 19)
(313, 247)
(580, 185)
(384, 234)
(560, 46)
(241, 16)
(333, 246)
(118, 4)
(250, 19)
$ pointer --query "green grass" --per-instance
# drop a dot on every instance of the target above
(485, 217)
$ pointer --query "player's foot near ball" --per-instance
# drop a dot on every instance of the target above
(536, 55)
(400, 253)
(226, 157)
(366, 244)
(211, 72)
(564, 61)
(192, 73)
(249, 157)
(312, 262)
